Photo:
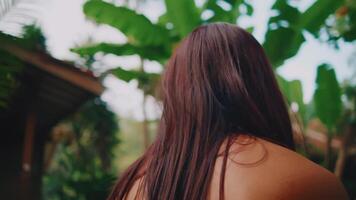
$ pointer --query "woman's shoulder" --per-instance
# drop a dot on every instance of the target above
(263, 170)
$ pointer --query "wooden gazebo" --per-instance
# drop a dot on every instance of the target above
(49, 91)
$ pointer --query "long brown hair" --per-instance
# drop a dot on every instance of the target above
(217, 84)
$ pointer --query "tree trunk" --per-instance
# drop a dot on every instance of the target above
(328, 150)
(146, 138)
(145, 131)
(343, 152)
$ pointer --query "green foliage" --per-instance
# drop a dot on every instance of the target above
(282, 43)
(344, 25)
(147, 52)
(183, 23)
(221, 14)
(286, 13)
(284, 36)
(314, 17)
(235, 9)
(82, 164)
(10, 69)
(147, 81)
(33, 38)
(350, 105)
(154, 41)
(73, 179)
(350, 92)
(327, 96)
(148, 40)
(310, 111)
(293, 91)
(350, 33)
(10, 66)
(136, 27)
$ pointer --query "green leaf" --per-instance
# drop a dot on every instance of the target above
(296, 96)
(147, 52)
(250, 29)
(286, 13)
(136, 27)
(126, 75)
(327, 96)
(310, 111)
(32, 38)
(293, 91)
(283, 38)
(221, 15)
(314, 17)
(147, 81)
(249, 8)
(283, 85)
(350, 34)
(281, 44)
(184, 15)
(163, 19)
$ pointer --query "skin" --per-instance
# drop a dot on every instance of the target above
(258, 169)
(273, 172)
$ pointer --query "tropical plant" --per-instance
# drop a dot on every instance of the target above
(284, 36)
(283, 39)
(81, 165)
(10, 66)
(327, 103)
(152, 41)
(155, 41)
(347, 125)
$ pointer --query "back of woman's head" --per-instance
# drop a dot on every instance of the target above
(217, 84)
(219, 76)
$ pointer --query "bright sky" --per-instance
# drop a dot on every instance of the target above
(65, 27)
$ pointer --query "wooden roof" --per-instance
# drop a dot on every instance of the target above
(77, 76)
(50, 87)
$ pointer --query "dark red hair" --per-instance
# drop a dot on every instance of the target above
(217, 85)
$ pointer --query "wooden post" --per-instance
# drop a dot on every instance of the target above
(328, 150)
(27, 156)
(28, 142)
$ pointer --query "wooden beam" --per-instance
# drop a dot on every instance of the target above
(52, 66)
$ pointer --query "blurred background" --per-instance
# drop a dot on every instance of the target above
(78, 81)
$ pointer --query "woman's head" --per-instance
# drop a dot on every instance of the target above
(219, 78)
(217, 85)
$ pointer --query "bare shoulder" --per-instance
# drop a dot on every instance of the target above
(263, 170)
(299, 177)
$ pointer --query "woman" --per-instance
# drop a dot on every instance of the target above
(225, 132)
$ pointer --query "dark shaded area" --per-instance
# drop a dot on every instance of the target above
(38, 104)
